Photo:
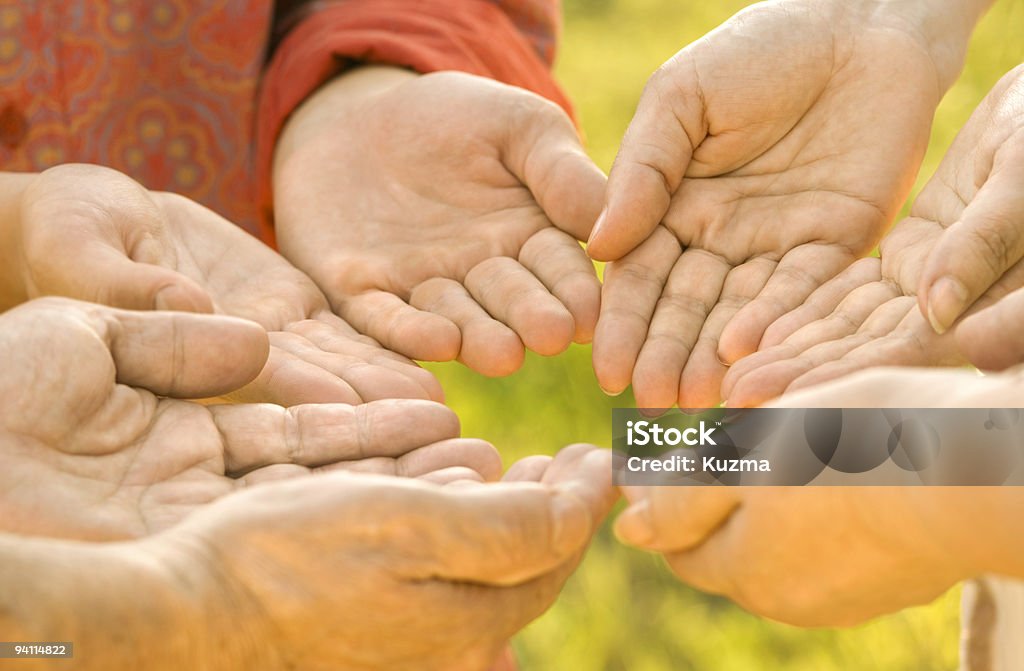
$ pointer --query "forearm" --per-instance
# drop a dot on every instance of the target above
(980, 526)
(118, 605)
(12, 289)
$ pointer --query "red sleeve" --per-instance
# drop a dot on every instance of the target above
(473, 36)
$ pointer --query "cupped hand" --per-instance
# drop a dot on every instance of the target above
(762, 160)
(441, 214)
(92, 448)
(987, 238)
(870, 316)
(808, 556)
(444, 575)
(94, 234)
(837, 556)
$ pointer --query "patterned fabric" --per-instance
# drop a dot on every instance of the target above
(164, 91)
(167, 91)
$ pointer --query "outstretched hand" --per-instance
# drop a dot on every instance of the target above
(872, 314)
(762, 160)
(441, 214)
(94, 234)
(108, 455)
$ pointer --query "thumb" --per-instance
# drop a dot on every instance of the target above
(180, 354)
(648, 169)
(520, 531)
(547, 157)
(972, 254)
(103, 274)
(84, 226)
(993, 338)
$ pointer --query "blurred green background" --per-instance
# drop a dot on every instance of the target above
(623, 610)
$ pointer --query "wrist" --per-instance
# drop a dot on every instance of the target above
(12, 283)
(943, 28)
(331, 103)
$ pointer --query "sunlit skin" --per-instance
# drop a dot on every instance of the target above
(967, 221)
(762, 160)
(109, 452)
(94, 234)
(837, 556)
(302, 574)
(441, 214)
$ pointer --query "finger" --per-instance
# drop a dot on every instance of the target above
(476, 455)
(488, 346)
(180, 354)
(520, 531)
(528, 469)
(631, 291)
(558, 261)
(993, 339)
(772, 380)
(399, 327)
(648, 169)
(452, 474)
(977, 250)
(357, 369)
(690, 294)
(103, 274)
(673, 519)
(512, 295)
(289, 380)
(584, 471)
(90, 258)
(701, 382)
(710, 566)
(546, 156)
(332, 334)
(798, 274)
(317, 435)
(823, 301)
(912, 343)
(845, 320)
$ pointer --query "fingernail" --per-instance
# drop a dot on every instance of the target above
(633, 527)
(571, 524)
(946, 301)
(598, 225)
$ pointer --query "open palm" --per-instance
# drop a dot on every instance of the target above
(441, 216)
(966, 227)
(763, 159)
(103, 454)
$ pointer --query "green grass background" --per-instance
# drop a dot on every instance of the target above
(623, 610)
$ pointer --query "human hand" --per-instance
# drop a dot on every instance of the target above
(441, 215)
(869, 316)
(92, 449)
(762, 160)
(986, 240)
(445, 575)
(808, 556)
(836, 556)
(94, 234)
